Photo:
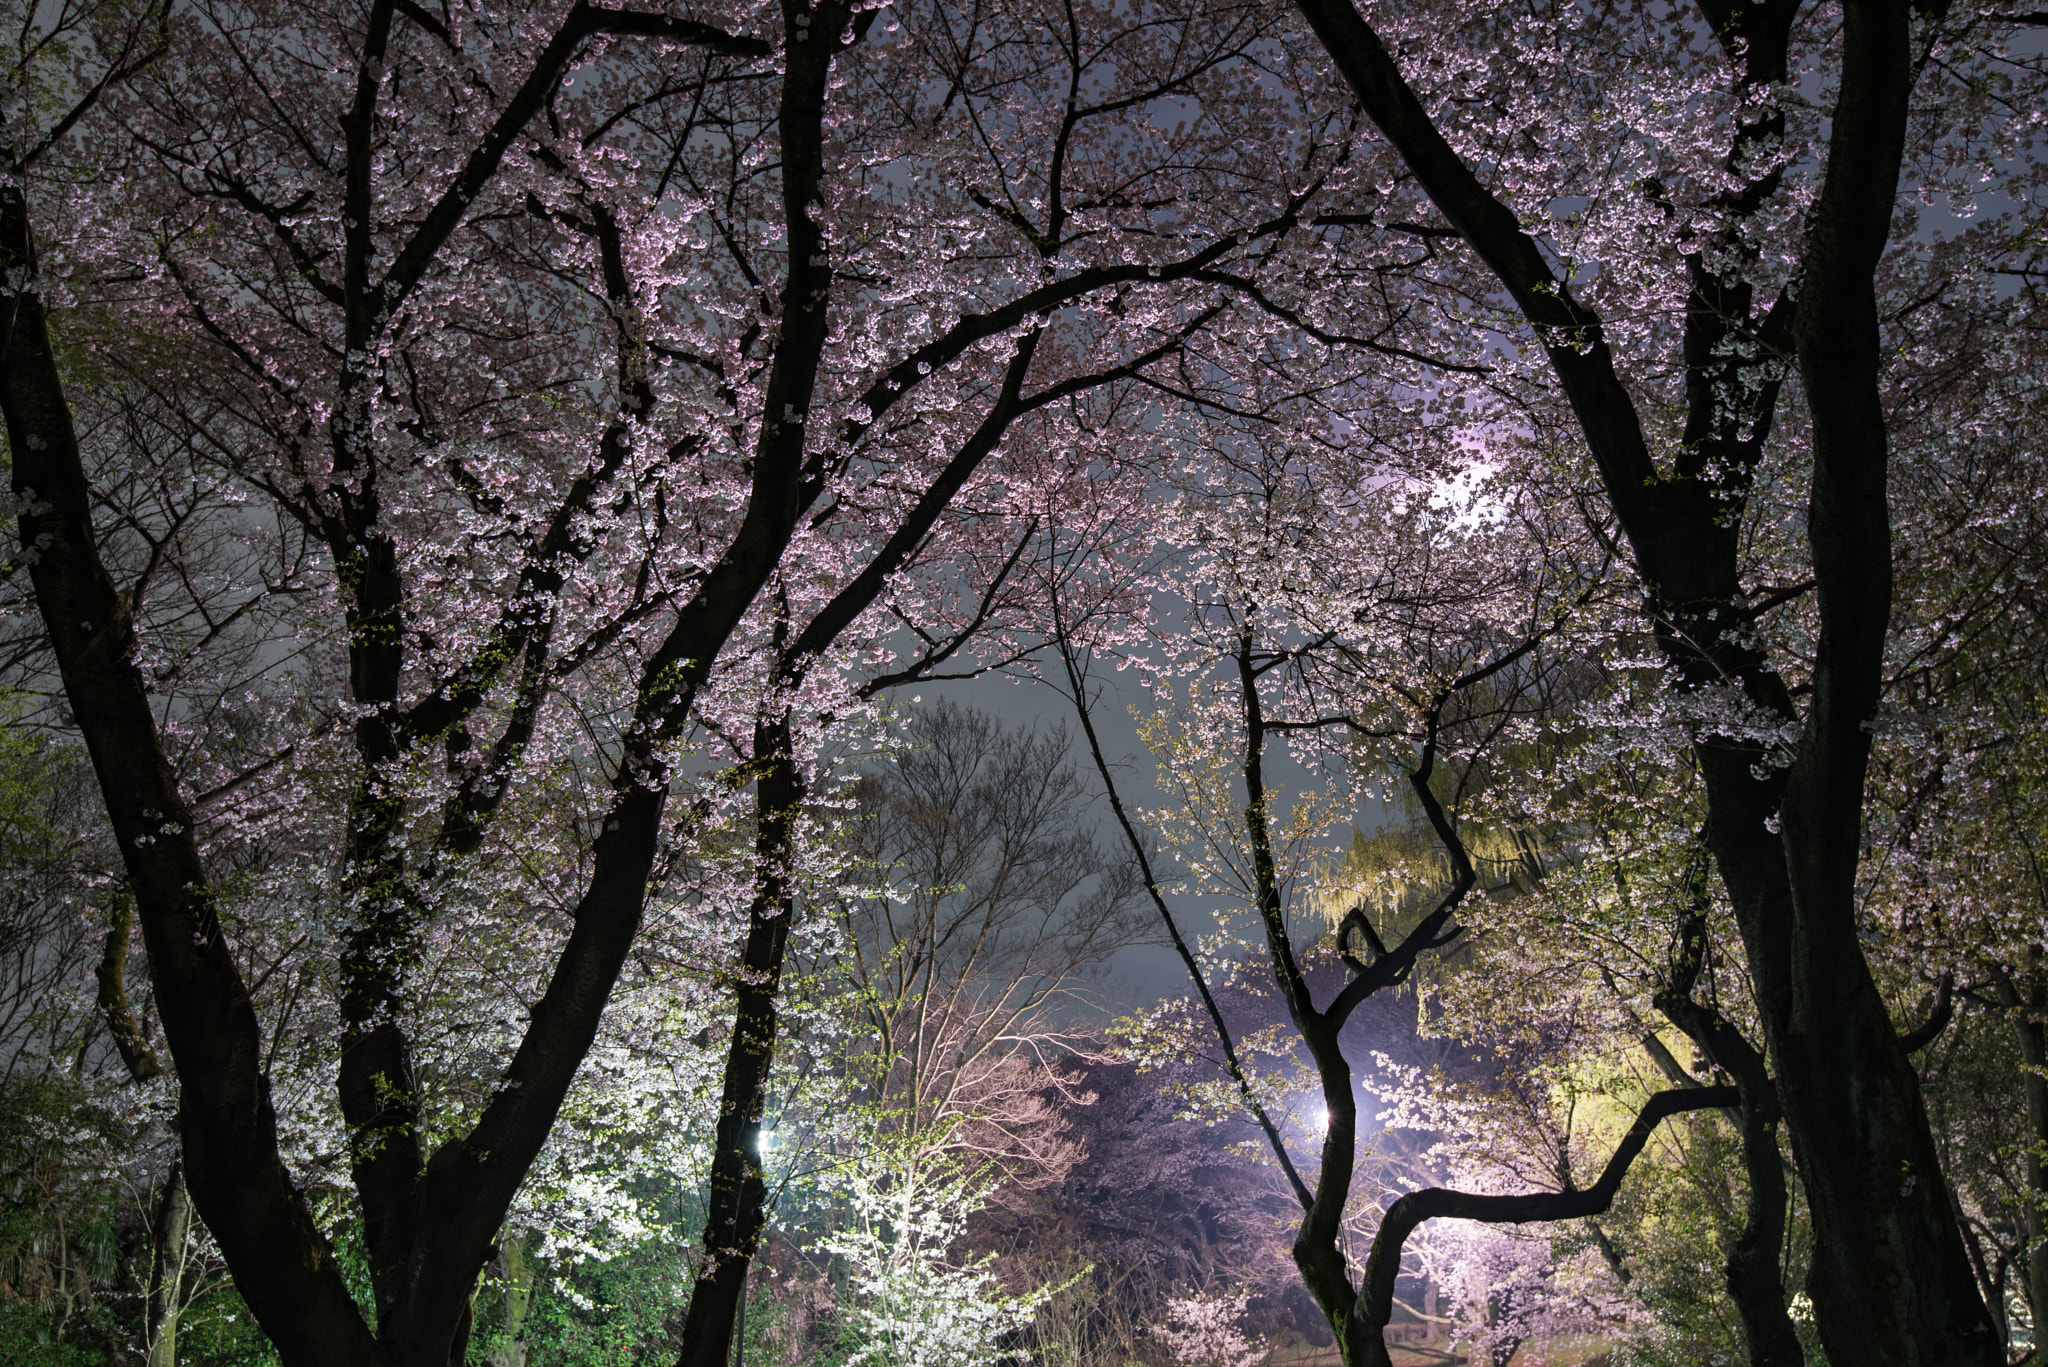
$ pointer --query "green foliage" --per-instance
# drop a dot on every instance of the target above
(607, 1314)
(219, 1331)
(59, 1240)
(28, 1339)
(913, 1303)
(1672, 1224)
(74, 1253)
(574, 1310)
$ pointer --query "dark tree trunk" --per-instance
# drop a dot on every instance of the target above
(1891, 1282)
(1752, 1270)
(1318, 1248)
(737, 1209)
(280, 1259)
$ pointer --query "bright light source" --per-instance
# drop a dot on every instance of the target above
(764, 1140)
(1322, 1120)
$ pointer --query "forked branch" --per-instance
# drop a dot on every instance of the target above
(1375, 1304)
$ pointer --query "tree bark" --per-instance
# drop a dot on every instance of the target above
(1891, 1280)
(518, 1277)
(169, 1235)
(171, 1212)
(112, 975)
(2025, 999)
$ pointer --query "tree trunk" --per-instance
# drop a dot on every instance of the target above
(2025, 1000)
(518, 1274)
(1752, 1267)
(1891, 1281)
(168, 1239)
(2035, 1052)
(281, 1261)
(737, 1209)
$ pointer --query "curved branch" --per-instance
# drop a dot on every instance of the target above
(1938, 1016)
(1375, 1303)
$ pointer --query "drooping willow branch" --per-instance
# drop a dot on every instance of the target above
(1375, 1304)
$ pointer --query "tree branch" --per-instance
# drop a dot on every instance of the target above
(1077, 683)
(1383, 1266)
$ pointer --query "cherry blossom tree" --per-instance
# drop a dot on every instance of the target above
(1202, 1330)
(1415, 624)
(475, 473)
(1729, 239)
(613, 384)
